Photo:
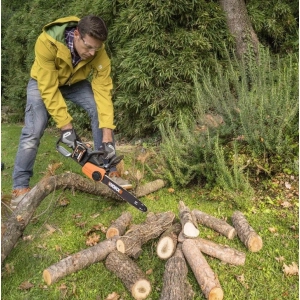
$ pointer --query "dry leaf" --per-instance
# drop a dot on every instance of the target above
(77, 216)
(287, 185)
(113, 296)
(291, 269)
(64, 202)
(150, 271)
(9, 268)
(286, 204)
(19, 218)
(57, 248)
(92, 240)
(241, 279)
(50, 228)
(138, 175)
(26, 285)
(28, 238)
(272, 229)
(94, 216)
(280, 258)
(170, 190)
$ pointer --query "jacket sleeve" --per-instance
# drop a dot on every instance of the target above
(102, 87)
(47, 79)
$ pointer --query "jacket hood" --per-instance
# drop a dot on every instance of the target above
(56, 29)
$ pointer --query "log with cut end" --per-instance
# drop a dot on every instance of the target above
(118, 227)
(78, 261)
(214, 223)
(130, 274)
(175, 284)
(188, 222)
(222, 252)
(204, 275)
(246, 233)
(131, 242)
(166, 245)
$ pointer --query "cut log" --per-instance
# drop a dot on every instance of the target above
(118, 227)
(78, 261)
(214, 223)
(246, 233)
(188, 222)
(130, 274)
(204, 275)
(13, 227)
(175, 284)
(167, 243)
(149, 187)
(131, 243)
(222, 252)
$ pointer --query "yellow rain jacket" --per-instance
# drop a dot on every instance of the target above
(53, 68)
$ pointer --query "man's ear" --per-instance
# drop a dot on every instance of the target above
(76, 32)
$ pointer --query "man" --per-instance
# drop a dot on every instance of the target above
(66, 53)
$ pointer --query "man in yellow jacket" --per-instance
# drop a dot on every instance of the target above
(67, 52)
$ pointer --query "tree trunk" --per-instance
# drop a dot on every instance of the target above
(118, 227)
(224, 253)
(167, 243)
(13, 227)
(188, 222)
(246, 233)
(129, 272)
(138, 235)
(240, 26)
(205, 276)
(214, 223)
(78, 261)
(175, 284)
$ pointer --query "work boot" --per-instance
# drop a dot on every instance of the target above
(17, 196)
(115, 176)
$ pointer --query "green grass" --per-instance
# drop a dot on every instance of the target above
(262, 275)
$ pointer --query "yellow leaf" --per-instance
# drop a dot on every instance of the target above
(291, 269)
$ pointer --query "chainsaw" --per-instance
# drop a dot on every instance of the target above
(97, 169)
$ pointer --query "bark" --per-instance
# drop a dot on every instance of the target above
(130, 274)
(214, 223)
(222, 252)
(204, 275)
(167, 243)
(188, 222)
(149, 187)
(78, 261)
(131, 243)
(118, 227)
(175, 284)
(246, 233)
(13, 227)
(240, 26)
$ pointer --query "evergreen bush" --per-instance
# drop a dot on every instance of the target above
(257, 104)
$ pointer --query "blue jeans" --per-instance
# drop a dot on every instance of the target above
(36, 121)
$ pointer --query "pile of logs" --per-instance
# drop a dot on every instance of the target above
(178, 244)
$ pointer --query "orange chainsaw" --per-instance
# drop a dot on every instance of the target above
(97, 169)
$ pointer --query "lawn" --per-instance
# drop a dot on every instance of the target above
(63, 220)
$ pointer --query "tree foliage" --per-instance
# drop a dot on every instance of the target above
(156, 47)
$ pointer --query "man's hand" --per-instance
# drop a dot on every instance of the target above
(69, 137)
(108, 150)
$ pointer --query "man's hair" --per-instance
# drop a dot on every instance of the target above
(93, 26)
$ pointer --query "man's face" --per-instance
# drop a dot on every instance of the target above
(86, 46)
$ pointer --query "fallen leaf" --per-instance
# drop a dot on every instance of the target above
(94, 216)
(241, 279)
(26, 285)
(28, 238)
(287, 185)
(19, 218)
(150, 271)
(272, 229)
(92, 240)
(50, 228)
(280, 258)
(77, 216)
(286, 204)
(291, 269)
(171, 190)
(113, 296)
(9, 268)
(64, 202)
